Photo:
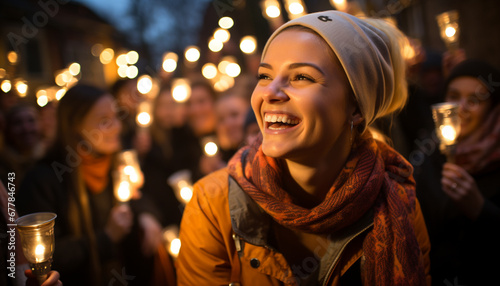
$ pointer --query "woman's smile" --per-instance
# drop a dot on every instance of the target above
(276, 121)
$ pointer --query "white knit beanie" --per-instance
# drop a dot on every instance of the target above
(363, 52)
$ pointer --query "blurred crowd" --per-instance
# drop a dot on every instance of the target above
(64, 157)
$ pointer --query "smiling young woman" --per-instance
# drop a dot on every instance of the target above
(316, 200)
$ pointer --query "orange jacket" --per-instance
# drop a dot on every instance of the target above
(223, 240)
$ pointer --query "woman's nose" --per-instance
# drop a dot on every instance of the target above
(275, 91)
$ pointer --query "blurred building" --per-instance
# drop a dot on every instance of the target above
(41, 39)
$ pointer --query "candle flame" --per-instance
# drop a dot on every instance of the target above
(175, 247)
(449, 133)
(450, 32)
(39, 252)
(123, 193)
(186, 193)
(211, 148)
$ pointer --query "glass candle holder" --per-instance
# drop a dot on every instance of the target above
(448, 27)
(447, 122)
(37, 239)
(180, 182)
(127, 176)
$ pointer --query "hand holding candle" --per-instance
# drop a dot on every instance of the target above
(37, 239)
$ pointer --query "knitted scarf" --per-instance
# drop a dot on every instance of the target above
(95, 171)
(481, 151)
(374, 177)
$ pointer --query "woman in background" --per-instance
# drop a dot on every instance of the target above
(461, 200)
(94, 235)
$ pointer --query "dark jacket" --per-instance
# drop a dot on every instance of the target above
(43, 190)
(460, 246)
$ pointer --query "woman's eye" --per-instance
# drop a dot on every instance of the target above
(263, 76)
(301, 77)
(452, 97)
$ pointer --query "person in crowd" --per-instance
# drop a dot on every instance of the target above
(316, 200)
(201, 108)
(128, 99)
(172, 150)
(231, 111)
(461, 200)
(48, 125)
(23, 142)
(250, 127)
(202, 120)
(95, 236)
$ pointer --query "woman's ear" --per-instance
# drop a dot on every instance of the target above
(357, 117)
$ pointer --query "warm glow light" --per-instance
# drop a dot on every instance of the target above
(248, 44)
(143, 118)
(129, 170)
(233, 70)
(209, 71)
(169, 62)
(122, 71)
(273, 11)
(192, 54)
(106, 56)
(39, 253)
(41, 92)
(211, 148)
(169, 65)
(408, 51)
(67, 76)
(449, 133)
(226, 22)
(3, 73)
(340, 5)
(144, 84)
(42, 100)
(12, 57)
(450, 32)
(181, 91)
(132, 71)
(175, 247)
(186, 193)
(224, 63)
(132, 57)
(215, 45)
(6, 86)
(224, 83)
(60, 80)
(123, 193)
(222, 35)
(296, 8)
(60, 93)
(21, 88)
(121, 60)
(74, 69)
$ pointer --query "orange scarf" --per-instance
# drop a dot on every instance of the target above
(375, 177)
(95, 171)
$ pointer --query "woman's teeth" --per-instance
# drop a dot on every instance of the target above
(281, 121)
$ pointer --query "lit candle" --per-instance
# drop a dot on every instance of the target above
(448, 26)
(39, 253)
(447, 123)
(37, 240)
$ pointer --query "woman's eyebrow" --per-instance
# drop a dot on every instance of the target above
(299, 65)
(294, 66)
(267, 66)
